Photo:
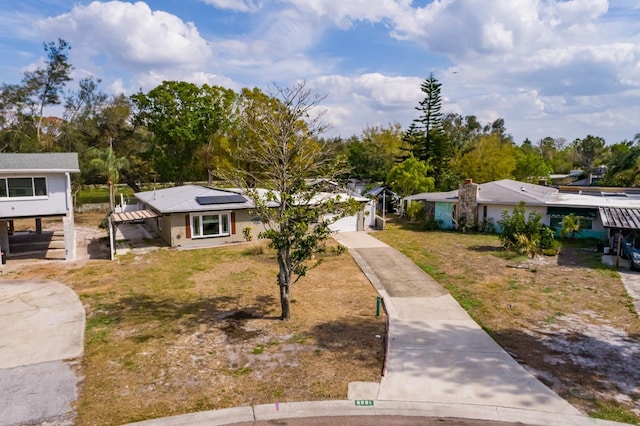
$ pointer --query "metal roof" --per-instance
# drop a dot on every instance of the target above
(622, 218)
(39, 162)
(184, 199)
(503, 191)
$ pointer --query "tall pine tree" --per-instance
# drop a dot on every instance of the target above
(426, 135)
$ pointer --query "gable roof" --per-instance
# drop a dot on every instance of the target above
(505, 191)
(193, 198)
(51, 162)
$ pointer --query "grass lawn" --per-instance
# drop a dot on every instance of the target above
(173, 332)
(100, 194)
(176, 332)
(567, 318)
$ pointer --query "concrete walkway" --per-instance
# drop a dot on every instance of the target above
(440, 363)
(437, 353)
(42, 336)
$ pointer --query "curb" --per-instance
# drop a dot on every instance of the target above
(327, 409)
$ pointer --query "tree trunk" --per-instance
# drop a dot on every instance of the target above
(285, 302)
(284, 282)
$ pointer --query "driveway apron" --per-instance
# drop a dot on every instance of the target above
(436, 352)
(42, 338)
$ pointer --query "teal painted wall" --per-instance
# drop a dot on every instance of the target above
(444, 215)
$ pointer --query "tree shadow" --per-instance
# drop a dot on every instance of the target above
(209, 310)
(353, 339)
(98, 248)
(580, 365)
(485, 249)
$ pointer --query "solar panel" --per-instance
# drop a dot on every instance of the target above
(220, 199)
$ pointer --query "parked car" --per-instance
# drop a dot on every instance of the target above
(630, 248)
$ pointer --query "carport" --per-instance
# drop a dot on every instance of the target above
(131, 216)
(619, 221)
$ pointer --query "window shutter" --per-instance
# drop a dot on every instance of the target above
(187, 225)
(233, 223)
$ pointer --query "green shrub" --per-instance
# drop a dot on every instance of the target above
(415, 211)
(526, 236)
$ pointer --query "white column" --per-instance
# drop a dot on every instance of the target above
(69, 238)
(68, 226)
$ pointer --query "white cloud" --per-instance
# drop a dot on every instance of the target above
(354, 103)
(130, 34)
(235, 5)
(548, 67)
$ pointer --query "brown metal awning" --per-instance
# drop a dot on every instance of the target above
(621, 218)
(133, 216)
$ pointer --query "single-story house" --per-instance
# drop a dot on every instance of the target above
(197, 216)
(33, 186)
(194, 215)
(482, 204)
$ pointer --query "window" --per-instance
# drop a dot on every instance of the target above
(23, 187)
(585, 222)
(215, 225)
(556, 214)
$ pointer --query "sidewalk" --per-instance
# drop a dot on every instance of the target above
(440, 363)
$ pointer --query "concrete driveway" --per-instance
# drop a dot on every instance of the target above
(41, 342)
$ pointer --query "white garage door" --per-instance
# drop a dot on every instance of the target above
(348, 223)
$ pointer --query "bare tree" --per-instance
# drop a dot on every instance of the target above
(280, 147)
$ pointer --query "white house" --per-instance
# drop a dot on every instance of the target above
(33, 186)
(602, 210)
(192, 216)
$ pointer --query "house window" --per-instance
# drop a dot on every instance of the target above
(556, 214)
(585, 222)
(23, 187)
(214, 225)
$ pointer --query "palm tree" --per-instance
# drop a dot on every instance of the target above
(108, 165)
(571, 224)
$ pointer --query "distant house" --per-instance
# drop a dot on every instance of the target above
(33, 186)
(482, 204)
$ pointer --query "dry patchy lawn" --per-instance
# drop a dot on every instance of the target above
(172, 332)
(567, 318)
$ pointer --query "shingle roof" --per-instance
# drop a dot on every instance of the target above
(39, 162)
(182, 199)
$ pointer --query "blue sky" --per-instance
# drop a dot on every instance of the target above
(563, 69)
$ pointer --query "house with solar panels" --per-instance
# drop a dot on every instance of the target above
(192, 216)
(195, 216)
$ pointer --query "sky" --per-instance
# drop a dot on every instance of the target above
(564, 69)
